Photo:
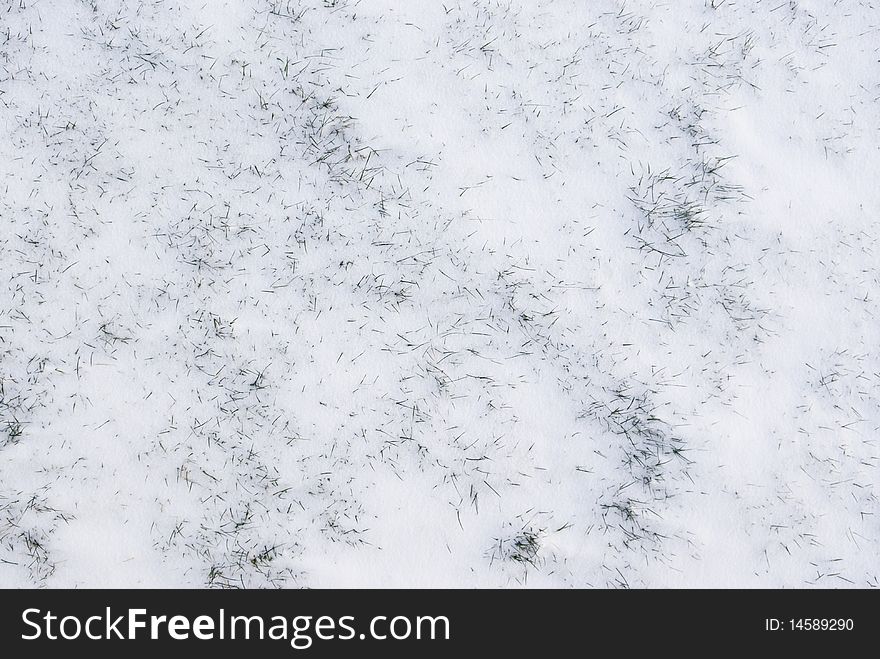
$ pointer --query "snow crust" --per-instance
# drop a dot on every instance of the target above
(473, 294)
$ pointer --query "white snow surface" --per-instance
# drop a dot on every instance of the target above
(476, 293)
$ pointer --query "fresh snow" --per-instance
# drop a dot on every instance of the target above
(474, 294)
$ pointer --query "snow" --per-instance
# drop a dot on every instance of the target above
(336, 293)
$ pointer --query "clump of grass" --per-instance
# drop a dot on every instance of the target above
(26, 526)
(14, 430)
(523, 547)
(673, 204)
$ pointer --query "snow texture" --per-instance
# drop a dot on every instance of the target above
(476, 293)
